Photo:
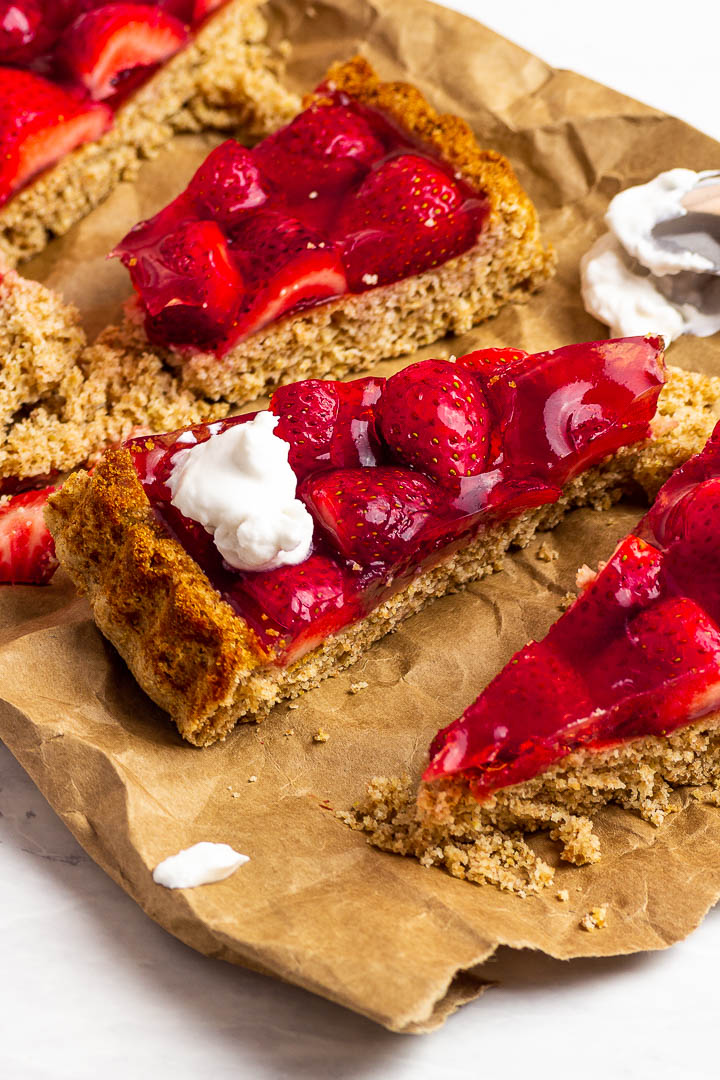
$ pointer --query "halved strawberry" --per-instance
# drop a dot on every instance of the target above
(39, 124)
(189, 284)
(308, 601)
(27, 550)
(372, 515)
(227, 184)
(322, 150)
(328, 423)
(100, 46)
(434, 416)
(672, 640)
(406, 216)
(287, 266)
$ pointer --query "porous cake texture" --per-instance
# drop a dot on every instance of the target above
(225, 78)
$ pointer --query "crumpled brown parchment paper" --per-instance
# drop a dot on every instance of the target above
(316, 906)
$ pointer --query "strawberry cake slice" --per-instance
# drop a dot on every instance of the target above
(366, 228)
(619, 704)
(237, 563)
(88, 89)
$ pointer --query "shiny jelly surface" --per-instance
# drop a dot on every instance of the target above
(637, 654)
(358, 448)
(339, 201)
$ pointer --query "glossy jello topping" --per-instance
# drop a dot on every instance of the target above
(396, 472)
(339, 201)
(638, 653)
(66, 64)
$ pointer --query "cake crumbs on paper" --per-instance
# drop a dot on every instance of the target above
(320, 736)
(546, 553)
(293, 705)
(563, 895)
(567, 601)
(252, 779)
(290, 731)
(236, 794)
(595, 918)
(356, 687)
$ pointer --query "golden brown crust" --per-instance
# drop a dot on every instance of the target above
(446, 136)
(224, 78)
(201, 662)
(153, 602)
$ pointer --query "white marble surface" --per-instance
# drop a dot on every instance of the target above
(91, 988)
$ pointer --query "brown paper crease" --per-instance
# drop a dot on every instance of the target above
(315, 905)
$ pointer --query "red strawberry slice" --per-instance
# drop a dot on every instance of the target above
(324, 149)
(554, 426)
(39, 124)
(434, 416)
(27, 550)
(287, 265)
(309, 601)
(670, 640)
(328, 423)
(188, 282)
(372, 515)
(99, 47)
(227, 184)
(406, 216)
(539, 687)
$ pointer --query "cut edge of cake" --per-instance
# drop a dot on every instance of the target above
(203, 664)
(225, 78)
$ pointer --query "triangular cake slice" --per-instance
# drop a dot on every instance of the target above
(237, 563)
(283, 262)
(618, 704)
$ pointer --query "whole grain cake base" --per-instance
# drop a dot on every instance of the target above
(317, 906)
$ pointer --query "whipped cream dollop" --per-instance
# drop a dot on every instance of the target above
(201, 864)
(658, 269)
(241, 488)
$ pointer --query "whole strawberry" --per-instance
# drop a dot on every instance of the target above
(434, 417)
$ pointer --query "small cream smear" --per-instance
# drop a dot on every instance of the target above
(241, 488)
(658, 269)
(201, 864)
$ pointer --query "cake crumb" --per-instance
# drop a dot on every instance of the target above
(567, 601)
(585, 576)
(356, 687)
(252, 779)
(595, 919)
(320, 736)
(290, 731)
(370, 279)
(562, 895)
(236, 794)
(293, 705)
(546, 553)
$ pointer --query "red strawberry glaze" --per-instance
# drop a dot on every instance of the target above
(27, 550)
(637, 654)
(379, 521)
(338, 201)
(60, 58)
